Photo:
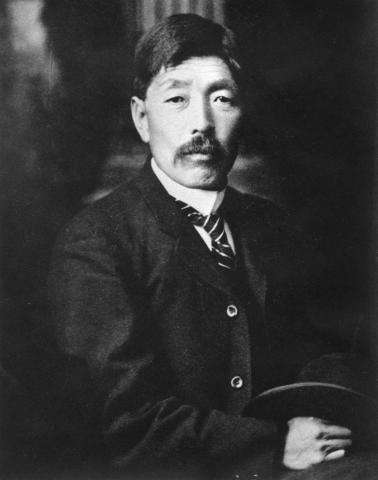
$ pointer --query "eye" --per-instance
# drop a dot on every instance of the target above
(223, 100)
(177, 100)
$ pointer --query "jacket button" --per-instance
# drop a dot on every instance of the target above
(236, 382)
(232, 311)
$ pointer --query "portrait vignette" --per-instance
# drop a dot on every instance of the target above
(102, 185)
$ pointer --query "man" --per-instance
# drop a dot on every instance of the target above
(177, 299)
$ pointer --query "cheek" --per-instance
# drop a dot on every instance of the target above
(164, 138)
(228, 128)
(158, 130)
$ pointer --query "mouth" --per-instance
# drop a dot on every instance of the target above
(200, 156)
(197, 152)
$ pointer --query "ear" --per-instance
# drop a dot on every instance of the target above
(138, 112)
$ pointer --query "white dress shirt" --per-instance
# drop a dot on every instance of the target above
(205, 201)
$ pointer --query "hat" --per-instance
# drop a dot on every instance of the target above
(335, 388)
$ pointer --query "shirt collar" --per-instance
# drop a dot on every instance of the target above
(205, 201)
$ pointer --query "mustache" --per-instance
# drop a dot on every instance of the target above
(203, 145)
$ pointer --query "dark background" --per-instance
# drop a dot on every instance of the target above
(67, 139)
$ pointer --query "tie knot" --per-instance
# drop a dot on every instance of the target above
(207, 222)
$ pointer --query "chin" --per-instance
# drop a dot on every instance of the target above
(216, 184)
(207, 180)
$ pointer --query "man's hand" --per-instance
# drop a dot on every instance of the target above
(311, 440)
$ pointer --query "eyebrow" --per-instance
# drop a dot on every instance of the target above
(175, 83)
(223, 84)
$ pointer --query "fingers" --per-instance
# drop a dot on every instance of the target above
(334, 431)
(327, 430)
(336, 444)
(334, 455)
(335, 449)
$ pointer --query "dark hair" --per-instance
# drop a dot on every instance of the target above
(178, 38)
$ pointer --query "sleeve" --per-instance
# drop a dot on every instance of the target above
(102, 325)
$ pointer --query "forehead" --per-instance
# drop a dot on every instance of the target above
(203, 71)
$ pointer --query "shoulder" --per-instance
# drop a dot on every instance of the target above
(258, 210)
(111, 218)
(285, 248)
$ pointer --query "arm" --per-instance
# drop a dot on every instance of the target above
(103, 323)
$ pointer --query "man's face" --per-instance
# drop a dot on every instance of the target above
(191, 117)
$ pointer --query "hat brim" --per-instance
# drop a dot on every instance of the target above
(333, 403)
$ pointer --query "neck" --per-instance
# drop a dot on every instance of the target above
(205, 201)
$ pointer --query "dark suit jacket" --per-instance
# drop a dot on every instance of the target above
(140, 314)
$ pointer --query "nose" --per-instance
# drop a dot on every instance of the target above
(201, 117)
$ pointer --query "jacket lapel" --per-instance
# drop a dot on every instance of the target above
(191, 251)
(197, 258)
(255, 276)
(247, 236)
(160, 203)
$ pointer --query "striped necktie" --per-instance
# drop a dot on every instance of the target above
(213, 224)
